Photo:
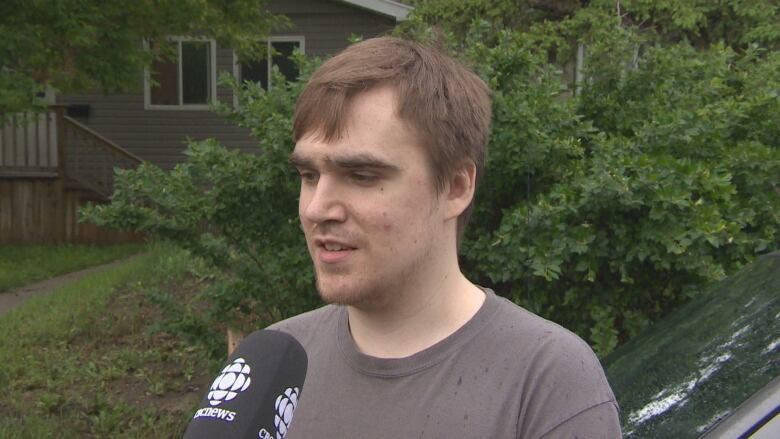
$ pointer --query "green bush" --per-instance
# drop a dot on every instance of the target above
(604, 204)
(236, 211)
(606, 210)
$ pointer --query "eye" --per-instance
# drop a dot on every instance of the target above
(308, 176)
(363, 178)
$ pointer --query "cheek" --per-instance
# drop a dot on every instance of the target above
(387, 223)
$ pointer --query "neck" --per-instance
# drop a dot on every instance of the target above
(424, 313)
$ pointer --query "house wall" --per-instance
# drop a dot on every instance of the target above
(160, 135)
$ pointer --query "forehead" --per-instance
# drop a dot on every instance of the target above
(372, 127)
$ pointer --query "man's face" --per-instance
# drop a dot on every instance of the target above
(368, 205)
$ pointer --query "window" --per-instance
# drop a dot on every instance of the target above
(186, 82)
(279, 50)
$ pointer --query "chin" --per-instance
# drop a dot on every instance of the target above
(337, 296)
(338, 293)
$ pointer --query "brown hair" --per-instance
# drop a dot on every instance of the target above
(444, 103)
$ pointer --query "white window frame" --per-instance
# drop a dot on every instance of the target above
(300, 39)
(181, 106)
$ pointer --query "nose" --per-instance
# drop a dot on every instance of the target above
(322, 202)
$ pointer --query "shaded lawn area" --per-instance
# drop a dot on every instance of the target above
(100, 357)
(24, 264)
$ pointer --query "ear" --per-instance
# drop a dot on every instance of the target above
(460, 189)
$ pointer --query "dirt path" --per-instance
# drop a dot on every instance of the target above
(15, 297)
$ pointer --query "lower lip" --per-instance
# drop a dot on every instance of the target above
(330, 257)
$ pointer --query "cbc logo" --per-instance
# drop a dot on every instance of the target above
(233, 380)
(285, 406)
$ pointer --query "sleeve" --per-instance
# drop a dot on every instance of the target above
(598, 422)
(567, 394)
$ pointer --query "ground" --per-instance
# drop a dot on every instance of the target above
(17, 296)
(126, 367)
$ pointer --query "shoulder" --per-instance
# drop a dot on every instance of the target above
(561, 376)
(308, 326)
(554, 352)
(516, 325)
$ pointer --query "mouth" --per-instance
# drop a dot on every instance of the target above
(335, 247)
(331, 252)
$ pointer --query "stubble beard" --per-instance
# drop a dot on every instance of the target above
(363, 292)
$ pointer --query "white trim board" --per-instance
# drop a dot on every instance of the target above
(399, 11)
(212, 80)
(300, 39)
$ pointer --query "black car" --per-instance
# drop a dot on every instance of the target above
(711, 368)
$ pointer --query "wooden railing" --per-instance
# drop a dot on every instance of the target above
(29, 144)
(52, 145)
(90, 158)
(50, 166)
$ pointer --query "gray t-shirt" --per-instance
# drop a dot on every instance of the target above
(506, 373)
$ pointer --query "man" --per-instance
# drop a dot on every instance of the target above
(390, 141)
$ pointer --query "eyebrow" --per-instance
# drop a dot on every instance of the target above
(351, 161)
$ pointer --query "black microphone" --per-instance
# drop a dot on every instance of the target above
(257, 391)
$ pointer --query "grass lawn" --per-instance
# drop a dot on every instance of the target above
(101, 357)
(23, 264)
